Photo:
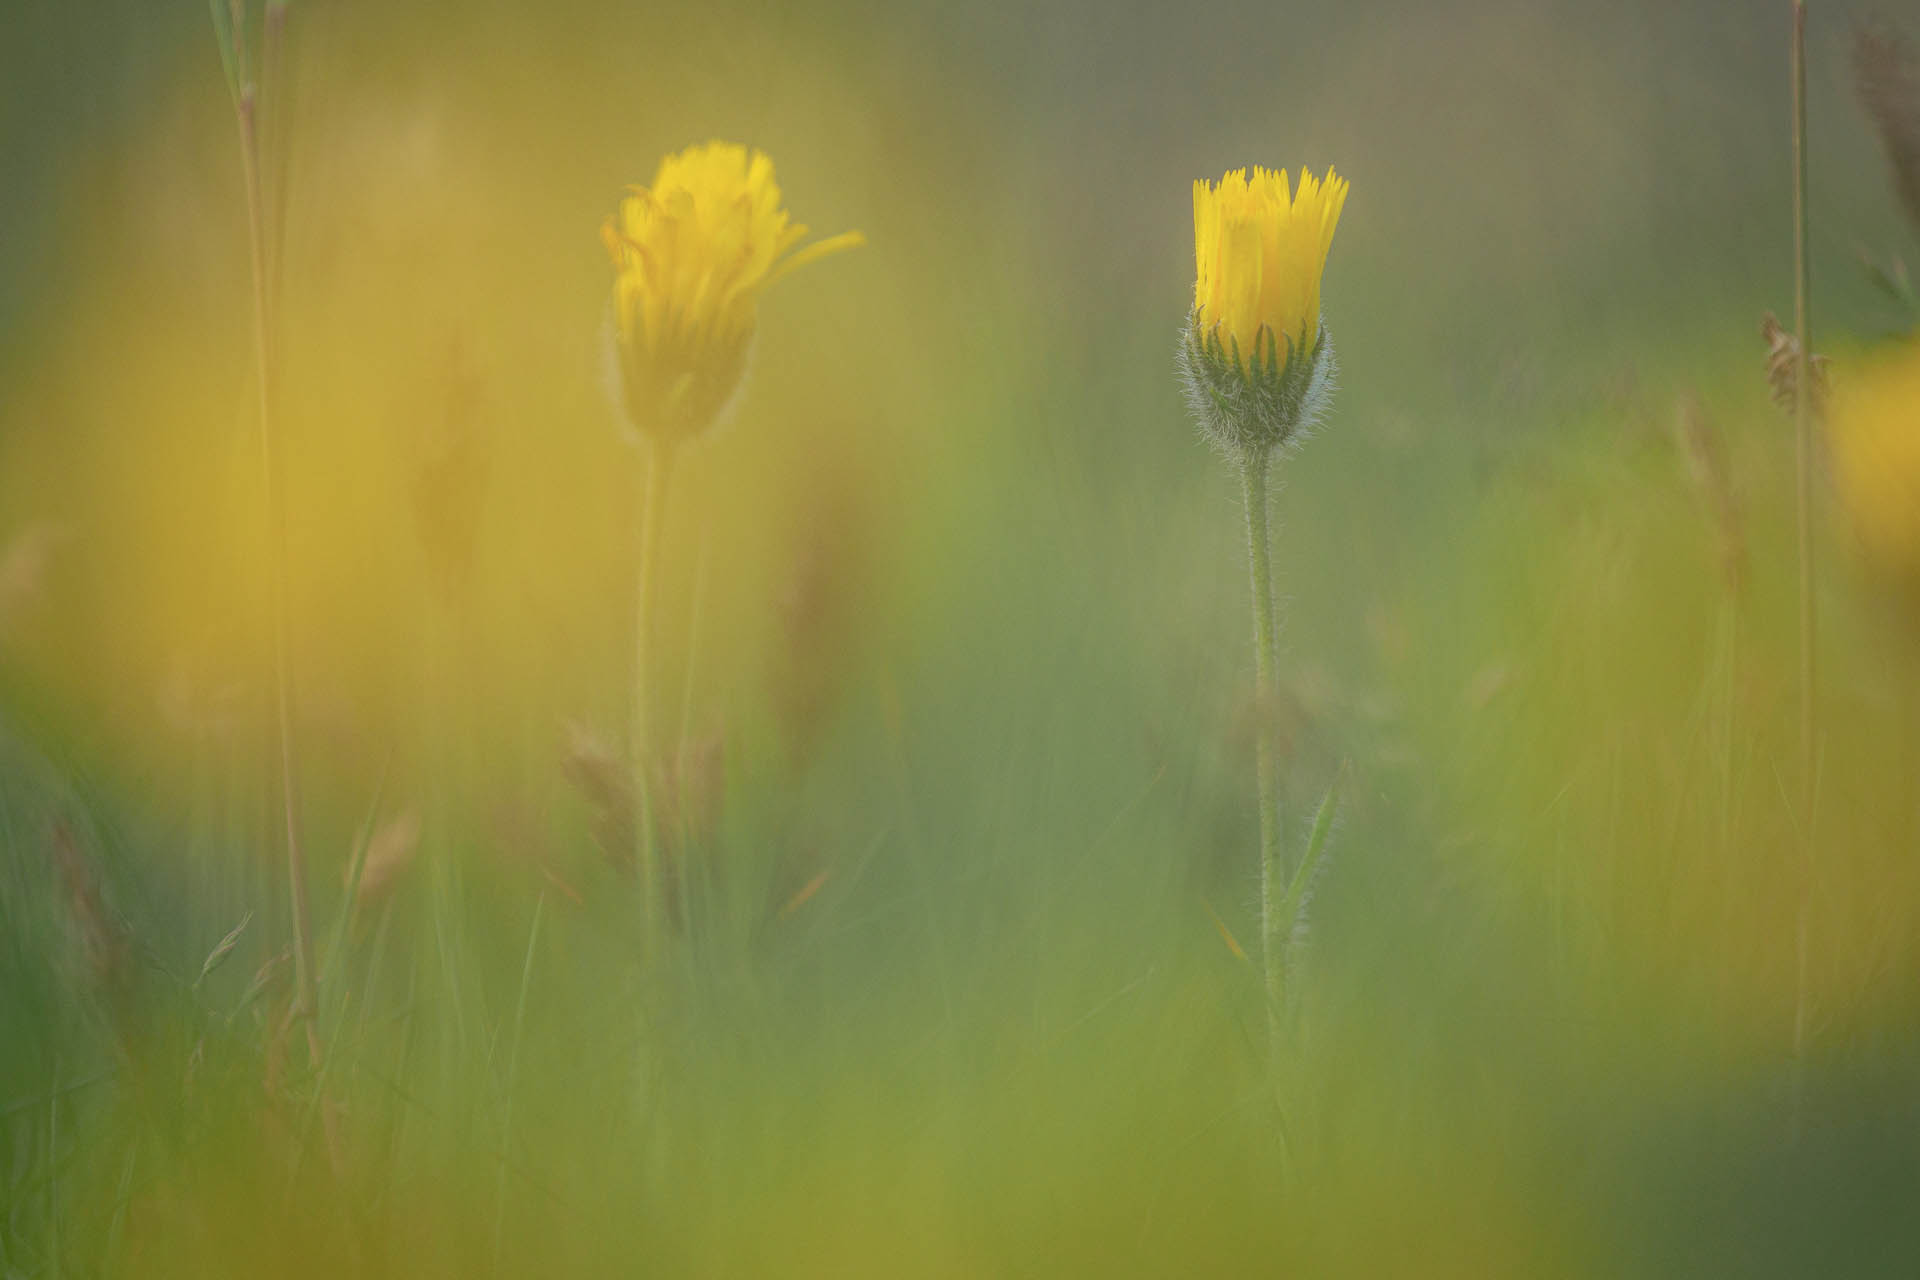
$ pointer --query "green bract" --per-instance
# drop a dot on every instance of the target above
(1254, 407)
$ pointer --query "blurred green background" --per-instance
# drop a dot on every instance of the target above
(956, 637)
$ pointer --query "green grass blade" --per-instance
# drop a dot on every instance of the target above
(229, 53)
(1293, 907)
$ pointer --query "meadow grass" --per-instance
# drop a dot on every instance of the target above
(953, 666)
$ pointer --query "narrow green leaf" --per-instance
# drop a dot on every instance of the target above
(1891, 280)
(223, 948)
(223, 35)
(343, 919)
(1294, 905)
(263, 978)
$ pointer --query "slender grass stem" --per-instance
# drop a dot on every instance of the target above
(53, 1172)
(1725, 745)
(275, 98)
(1729, 696)
(660, 456)
(1803, 436)
(684, 729)
(513, 1072)
(272, 486)
(122, 1201)
(1273, 885)
(683, 746)
(1910, 747)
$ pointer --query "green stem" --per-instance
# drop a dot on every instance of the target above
(659, 462)
(275, 99)
(682, 731)
(1273, 888)
(272, 474)
(513, 1074)
(1803, 435)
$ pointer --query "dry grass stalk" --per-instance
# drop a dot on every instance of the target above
(603, 778)
(105, 944)
(822, 605)
(1706, 458)
(390, 851)
(688, 788)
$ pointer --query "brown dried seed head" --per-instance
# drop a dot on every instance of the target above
(1783, 365)
(685, 790)
(103, 940)
(602, 777)
(390, 851)
(692, 785)
(23, 567)
(1706, 457)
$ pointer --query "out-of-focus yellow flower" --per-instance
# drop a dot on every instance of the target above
(1258, 255)
(692, 253)
(1874, 430)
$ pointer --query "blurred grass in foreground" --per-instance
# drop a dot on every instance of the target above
(952, 635)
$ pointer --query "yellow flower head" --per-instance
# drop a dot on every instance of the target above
(1874, 435)
(692, 254)
(1258, 254)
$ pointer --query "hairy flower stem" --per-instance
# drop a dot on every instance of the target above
(306, 1005)
(660, 456)
(1803, 435)
(1273, 888)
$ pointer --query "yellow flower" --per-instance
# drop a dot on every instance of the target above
(1258, 254)
(692, 253)
(1874, 435)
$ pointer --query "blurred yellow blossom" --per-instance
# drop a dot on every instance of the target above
(1875, 439)
(692, 252)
